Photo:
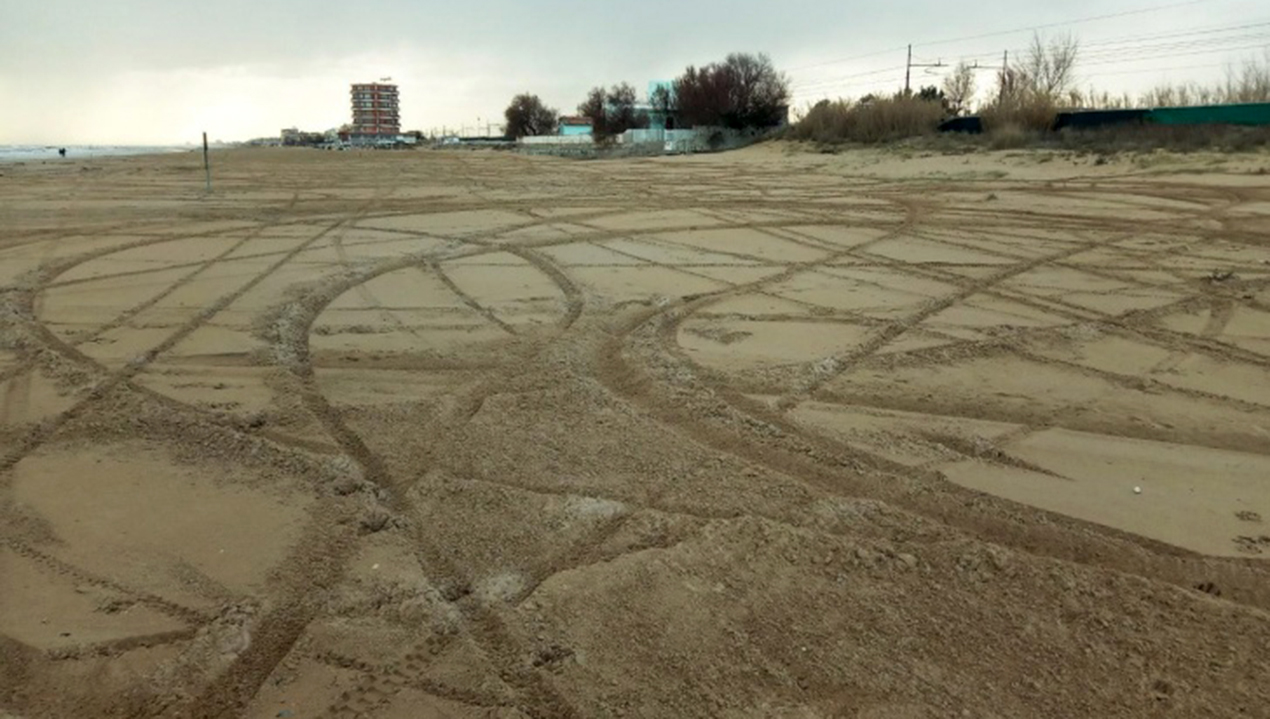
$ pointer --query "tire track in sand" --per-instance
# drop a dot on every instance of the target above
(117, 380)
(113, 380)
(278, 632)
(485, 626)
(768, 438)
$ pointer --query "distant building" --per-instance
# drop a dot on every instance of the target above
(376, 111)
(571, 126)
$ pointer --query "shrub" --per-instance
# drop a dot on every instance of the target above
(527, 115)
(878, 120)
(1028, 111)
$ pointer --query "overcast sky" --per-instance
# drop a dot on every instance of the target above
(161, 71)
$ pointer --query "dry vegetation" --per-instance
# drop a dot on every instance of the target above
(1027, 98)
(874, 120)
(1249, 83)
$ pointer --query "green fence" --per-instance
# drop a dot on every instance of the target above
(1250, 114)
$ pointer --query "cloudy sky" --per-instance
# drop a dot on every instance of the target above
(161, 71)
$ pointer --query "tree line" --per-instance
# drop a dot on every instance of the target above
(744, 91)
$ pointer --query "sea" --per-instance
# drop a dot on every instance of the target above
(36, 153)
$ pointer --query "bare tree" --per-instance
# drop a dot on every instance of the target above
(1251, 83)
(622, 113)
(959, 88)
(592, 108)
(1012, 84)
(612, 112)
(527, 115)
(663, 102)
(1050, 67)
(744, 91)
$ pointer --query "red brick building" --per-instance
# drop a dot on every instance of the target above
(376, 110)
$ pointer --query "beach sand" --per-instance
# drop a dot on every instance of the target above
(885, 434)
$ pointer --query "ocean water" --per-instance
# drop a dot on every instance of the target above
(37, 153)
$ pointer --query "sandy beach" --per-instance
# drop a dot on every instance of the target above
(773, 433)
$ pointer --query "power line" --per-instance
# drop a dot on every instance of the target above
(838, 80)
(1093, 18)
(1172, 34)
(877, 89)
(1032, 28)
(1129, 47)
(1135, 48)
(1168, 55)
(1157, 69)
(1173, 46)
(1138, 43)
(853, 58)
(895, 77)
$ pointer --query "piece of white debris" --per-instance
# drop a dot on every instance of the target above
(375, 567)
(1137, 490)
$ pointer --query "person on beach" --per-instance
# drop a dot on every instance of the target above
(62, 152)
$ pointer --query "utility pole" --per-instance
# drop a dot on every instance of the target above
(1005, 69)
(207, 165)
(908, 69)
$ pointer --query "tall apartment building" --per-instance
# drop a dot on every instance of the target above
(375, 109)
